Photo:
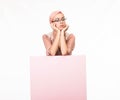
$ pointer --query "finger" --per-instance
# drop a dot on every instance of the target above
(67, 26)
(54, 26)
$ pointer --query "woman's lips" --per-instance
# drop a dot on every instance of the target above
(62, 26)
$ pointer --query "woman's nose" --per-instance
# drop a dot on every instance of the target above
(61, 21)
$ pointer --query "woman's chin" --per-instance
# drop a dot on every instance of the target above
(60, 28)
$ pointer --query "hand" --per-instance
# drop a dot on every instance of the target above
(65, 29)
(54, 27)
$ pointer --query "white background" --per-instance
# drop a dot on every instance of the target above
(96, 25)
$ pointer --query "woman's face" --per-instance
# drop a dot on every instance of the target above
(59, 21)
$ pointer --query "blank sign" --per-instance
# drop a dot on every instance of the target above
(58, 77)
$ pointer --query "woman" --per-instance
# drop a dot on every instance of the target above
(58, 42)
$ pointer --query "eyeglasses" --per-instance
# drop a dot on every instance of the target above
(58, 20)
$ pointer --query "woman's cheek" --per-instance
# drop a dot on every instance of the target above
(57, 25)
(64, 26)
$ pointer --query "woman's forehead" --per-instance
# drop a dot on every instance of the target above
(60, 15)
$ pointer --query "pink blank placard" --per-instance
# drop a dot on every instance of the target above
(58, 77)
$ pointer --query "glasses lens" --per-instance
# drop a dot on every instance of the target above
(58, 20)
(63, 19)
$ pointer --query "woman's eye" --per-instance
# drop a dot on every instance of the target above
(57, 20)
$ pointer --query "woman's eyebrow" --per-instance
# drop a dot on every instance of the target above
(60, 18)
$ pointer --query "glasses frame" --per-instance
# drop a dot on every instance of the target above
(59, 20)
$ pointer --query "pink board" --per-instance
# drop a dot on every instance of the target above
(58, 77)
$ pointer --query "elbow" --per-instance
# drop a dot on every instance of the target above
(52, 53)
(64, 53)
(69, 51)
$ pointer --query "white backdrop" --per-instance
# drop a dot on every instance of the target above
(96, 26)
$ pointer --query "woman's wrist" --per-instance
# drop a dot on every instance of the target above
(62, 33)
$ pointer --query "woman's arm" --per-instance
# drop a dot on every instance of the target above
(54, 47)
(63, 43)
(47, 43)
(70, 44)
(67, 46)
(51, 48)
